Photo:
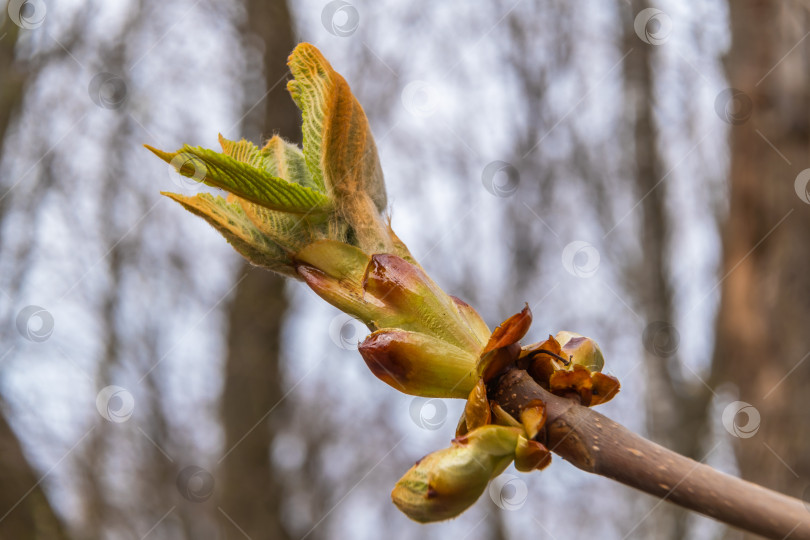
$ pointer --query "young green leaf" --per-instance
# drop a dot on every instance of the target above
(278, 158)
(246, 181)
(291, 231)
(245, 152)
(338, 146)
(286, 160)
(229, 219)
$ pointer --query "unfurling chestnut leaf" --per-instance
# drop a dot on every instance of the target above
(317, 214)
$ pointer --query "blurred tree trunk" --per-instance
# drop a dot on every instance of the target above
(25, 512)
(676, 407)
(252, 494)
(13, 78)
(762, 329)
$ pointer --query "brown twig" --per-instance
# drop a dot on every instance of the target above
(597, 444)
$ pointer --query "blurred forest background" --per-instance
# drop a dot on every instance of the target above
(636, 173)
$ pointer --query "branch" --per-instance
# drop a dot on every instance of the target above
(597, 444)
